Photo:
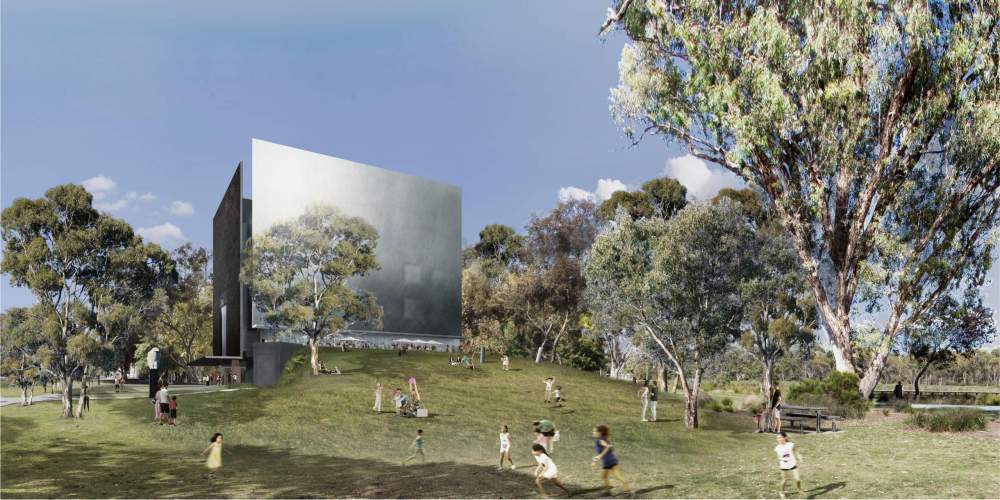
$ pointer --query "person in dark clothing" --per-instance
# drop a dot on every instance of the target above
(776, 409)
(897, 392)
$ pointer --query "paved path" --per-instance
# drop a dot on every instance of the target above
(175, 389)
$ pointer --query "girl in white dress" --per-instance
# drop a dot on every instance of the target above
(546, 470)
(505, 448)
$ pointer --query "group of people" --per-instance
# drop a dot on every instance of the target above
(553, 393)
(404, 405)
(768, 415)
(164, 406)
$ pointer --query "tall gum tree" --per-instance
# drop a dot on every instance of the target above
(64, 251)
(297, 272)
(873, 128)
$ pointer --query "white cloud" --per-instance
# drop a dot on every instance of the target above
(605, 187)
(574, 193)
(144, 197)
(181, 208)
(111, 206)
(162, 234)
(701, 180)
(99, 186)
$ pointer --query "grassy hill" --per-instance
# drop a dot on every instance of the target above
(316, 436)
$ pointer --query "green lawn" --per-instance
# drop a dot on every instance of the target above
(315, 436)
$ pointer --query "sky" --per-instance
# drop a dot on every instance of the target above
(152, 104)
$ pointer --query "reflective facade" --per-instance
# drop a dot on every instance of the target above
(418, 221)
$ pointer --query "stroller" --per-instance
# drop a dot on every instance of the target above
(410, 407)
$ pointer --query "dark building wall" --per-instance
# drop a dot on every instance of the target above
(226, 246)
(269, 360)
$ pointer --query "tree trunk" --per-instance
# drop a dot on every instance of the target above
(67, 396)
(31, 395)
(768, 376)
(538, 355)
(79, 401)
(661, 377)
(24, 396)
(870, 380)
(916, 379)
(314, 355)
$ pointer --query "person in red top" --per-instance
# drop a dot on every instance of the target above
(173, 410)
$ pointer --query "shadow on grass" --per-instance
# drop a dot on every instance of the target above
(14, 427)
(71, 469)
(822, 490)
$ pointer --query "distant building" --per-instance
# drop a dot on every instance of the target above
(419, 250)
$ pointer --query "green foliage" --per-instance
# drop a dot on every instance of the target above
(294, 364)
(990, 399)
(948, 420)
(587, 354)
(94, 280)
(901, 406)
(838, 391)
(660, 198)
(873, 130)
(723, 405)
(298, 270)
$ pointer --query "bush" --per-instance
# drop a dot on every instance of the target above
(990, 399)
(901, 406)
(948, 420)
(885, 412)
(293, 364)
(838, 391)
(725, 404)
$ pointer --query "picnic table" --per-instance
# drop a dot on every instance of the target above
(797, 414)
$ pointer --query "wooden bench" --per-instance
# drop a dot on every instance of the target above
(794, 420)
(814, 414)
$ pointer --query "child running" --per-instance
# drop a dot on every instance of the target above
(559, 398)
(214, 450)
(505, 448)
(607, 458)
(418, 447)
(788, 462)
(546, 470)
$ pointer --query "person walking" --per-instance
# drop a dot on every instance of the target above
(644, 399)
(214, 451)
(607, 458)
(897, 392)
(546, 470)
(163, 401)
(549, 381)
(377, 408)
(505, 361)
(505, 448)
(776, 409)
(652, 400)
(414, 392)
(788, 463)
(86, 397)
(418, 447)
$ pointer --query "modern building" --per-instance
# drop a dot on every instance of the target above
(419, 251)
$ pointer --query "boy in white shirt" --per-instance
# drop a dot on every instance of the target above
(788, 462)
(548, 389)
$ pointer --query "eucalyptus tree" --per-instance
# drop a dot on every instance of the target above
(952, 329)
(68, 254)
(661, 197)
(184, 308)
(679, 281)
(873, 128)
(19, 344)
(298, 273)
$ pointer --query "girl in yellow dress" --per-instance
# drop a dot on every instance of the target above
(214, 451)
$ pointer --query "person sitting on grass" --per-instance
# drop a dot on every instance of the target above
(546, 470)
(788, 462)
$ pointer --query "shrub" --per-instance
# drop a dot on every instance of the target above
(901, 406)
(838, 391)
(293, 364)
(990, 399)
(727, 404)
(948, 420)
(885, 412)
(705, 401)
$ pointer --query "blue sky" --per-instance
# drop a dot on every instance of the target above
(154, 103)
